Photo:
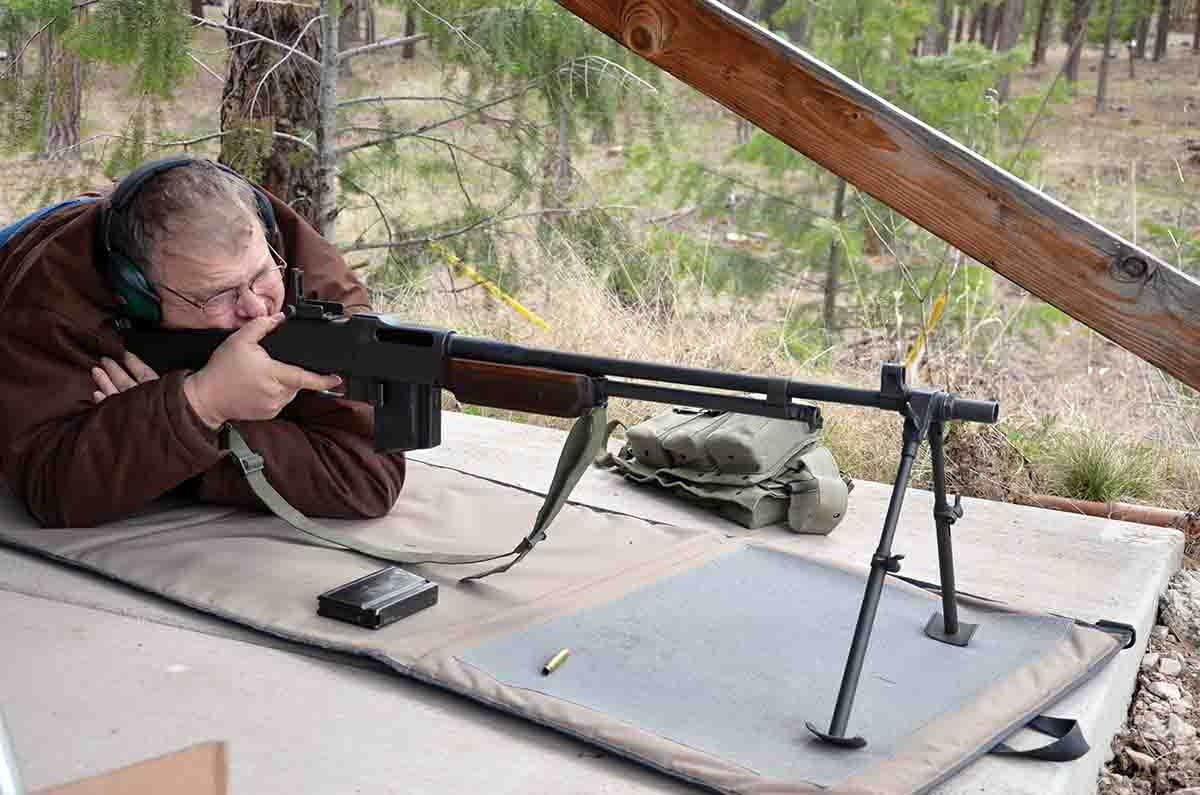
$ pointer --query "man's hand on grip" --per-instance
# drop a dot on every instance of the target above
(242, 382)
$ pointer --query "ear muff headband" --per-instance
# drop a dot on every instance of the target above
(137, 296)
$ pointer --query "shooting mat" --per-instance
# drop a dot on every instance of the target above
(693, 652)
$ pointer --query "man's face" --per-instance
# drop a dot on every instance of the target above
(235, 281)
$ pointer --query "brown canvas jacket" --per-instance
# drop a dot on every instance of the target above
(76, 463)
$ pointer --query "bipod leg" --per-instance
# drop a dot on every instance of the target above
(883, 562)
(945, 626)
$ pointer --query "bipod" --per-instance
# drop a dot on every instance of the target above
(925, 414)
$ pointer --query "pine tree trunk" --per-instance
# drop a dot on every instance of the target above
(1196, 32)
(347, 35)
(370, 21)
(961, 17)
(976, 23)
(767, 10)
(1043, 33)
(557, 179)
(997, 15)
(1006, 39)
(1076, 34)
(14, 46)
(198, 8)
(1109, 30)
(409, 51)
(286, 102)
(797, 30)
(985, 24)
(1143, 33)
(945, 17)
(64, 99)
(1164, 27)
(325, 197)
(831, 274)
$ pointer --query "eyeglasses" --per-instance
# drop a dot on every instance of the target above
(225, 302)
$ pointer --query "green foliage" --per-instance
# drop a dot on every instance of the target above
(771, 192)
(23, 104)
(953, 93)
(135, 145)
(1183, 242)
(248, 147)
(536, 44)
(602, 242)
(1128, 13)
(150, 35)
(479, 251)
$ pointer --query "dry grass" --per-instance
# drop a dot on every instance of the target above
(1067, 383)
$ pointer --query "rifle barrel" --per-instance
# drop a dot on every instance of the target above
(777, 388)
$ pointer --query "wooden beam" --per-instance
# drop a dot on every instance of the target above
(1125, 293)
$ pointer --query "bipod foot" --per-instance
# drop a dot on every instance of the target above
(840, 741)
(936, 629)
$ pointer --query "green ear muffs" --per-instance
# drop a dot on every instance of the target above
(138, 299)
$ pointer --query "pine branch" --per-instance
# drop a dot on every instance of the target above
(375, 201)
(345, 150)
(469, 153)
(291, 3)
(754, 188)
(204, 66)
(186, 142)
(207, 23)
(386, 44)
(12, 67)
(458, 175)
(432, 139)
(223, 133)
(457, 30)
(482, 223)
(379, 98)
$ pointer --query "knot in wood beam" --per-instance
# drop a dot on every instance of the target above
(1134, 268)
(646, 27)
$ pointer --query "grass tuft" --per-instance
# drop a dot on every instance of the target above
(1091, 465)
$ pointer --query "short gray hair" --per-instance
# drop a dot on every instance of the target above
(166, 204)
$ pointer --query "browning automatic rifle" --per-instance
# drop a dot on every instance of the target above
(400, 369)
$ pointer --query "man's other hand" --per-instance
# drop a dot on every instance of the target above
(242, 382)
(112, 377)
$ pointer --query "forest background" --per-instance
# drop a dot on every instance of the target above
(503, 170)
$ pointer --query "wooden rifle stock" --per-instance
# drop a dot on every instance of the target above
(535, 390)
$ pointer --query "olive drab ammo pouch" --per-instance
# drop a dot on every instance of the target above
(753, 470)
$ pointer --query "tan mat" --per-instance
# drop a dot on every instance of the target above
(694, 653)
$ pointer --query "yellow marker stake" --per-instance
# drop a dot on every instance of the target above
(934, 315)
(552, 664)
(488, 285)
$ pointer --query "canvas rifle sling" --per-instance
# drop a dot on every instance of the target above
(583, 442)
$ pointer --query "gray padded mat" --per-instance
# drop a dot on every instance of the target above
(734, 656)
